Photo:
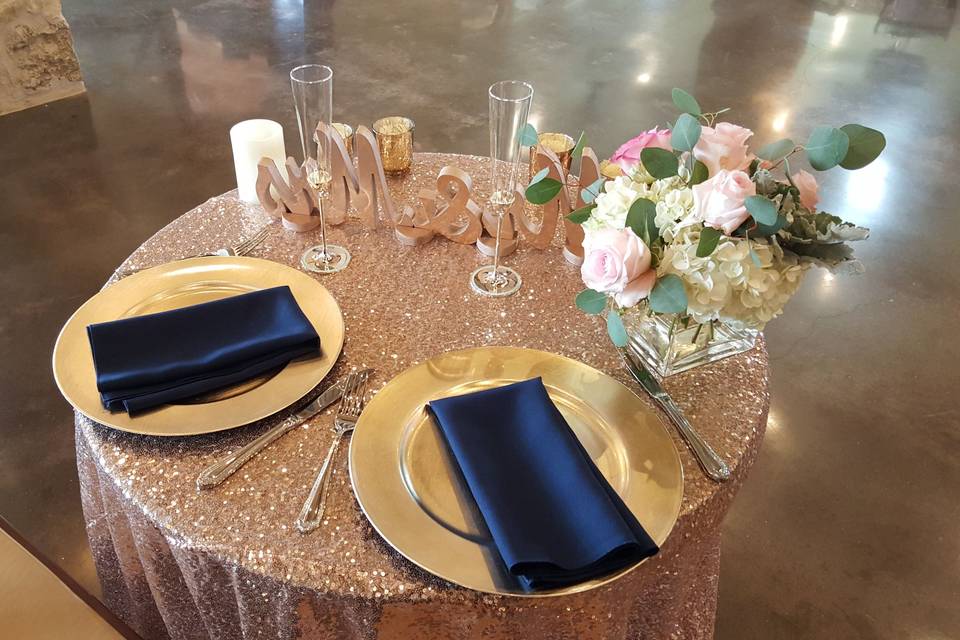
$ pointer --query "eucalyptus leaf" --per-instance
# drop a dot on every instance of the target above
(539, 175)
(700, 173)
(592, 302)
(685, 133)
(590, 193)
(766, 230)
(641, 219)
(581, 143)
(659, 163)
(827, 147)
(865, 145)
(668, 295)
(581, 215)
(616, 330)
(753, 254)
(528, 136)
(762, 209)
(709, 238)
(543, 191)
(685, 102)
(776, 150)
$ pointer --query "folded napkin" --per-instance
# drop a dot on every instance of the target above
(145, 361)
(554, 518)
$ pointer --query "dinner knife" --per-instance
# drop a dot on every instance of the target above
(228, 465)
(715, 468)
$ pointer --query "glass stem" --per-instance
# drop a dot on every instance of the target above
(496, 249)
(323, 231)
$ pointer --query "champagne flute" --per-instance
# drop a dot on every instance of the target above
(312, 86)
(510, 102)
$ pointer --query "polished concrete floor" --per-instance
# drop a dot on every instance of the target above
(848, 526)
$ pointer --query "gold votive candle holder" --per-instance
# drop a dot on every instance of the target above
(395, 140)
(346, 132)
(560, 143)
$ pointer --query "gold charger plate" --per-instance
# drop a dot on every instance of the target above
(180, 284)
(410, 489)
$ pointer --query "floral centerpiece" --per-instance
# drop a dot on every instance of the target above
(693, 242)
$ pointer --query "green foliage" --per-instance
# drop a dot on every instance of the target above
(592, 302)
(539, 175)
(659, 163)
(581, 215)
(700, 173)
(709, 238)
(767, 230)
(826, 148)
(528, 136)
(590, 193)
(543, 191)
(616, 330)
(753, 254)
(668, 295)
(685, 102)
(581, 143)
(776, 150)
(641, 219)
(762, 209)
(865, 145)
(685, 133)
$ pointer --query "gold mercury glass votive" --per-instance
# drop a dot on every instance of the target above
(346, 132)
(560, 143)
(395, 139)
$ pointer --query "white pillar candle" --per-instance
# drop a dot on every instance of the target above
(251, 141)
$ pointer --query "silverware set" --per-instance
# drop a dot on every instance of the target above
(347, 415)
(351, 393)
(715, 468)
(242, 248)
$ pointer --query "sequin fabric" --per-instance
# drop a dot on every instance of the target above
(227, 563)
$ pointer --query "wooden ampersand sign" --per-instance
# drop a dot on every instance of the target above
(448, 210)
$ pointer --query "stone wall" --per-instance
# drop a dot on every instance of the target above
(37, 60)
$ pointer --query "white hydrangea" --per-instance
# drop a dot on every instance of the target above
(727, 285)
(674, 209)
(673, 198)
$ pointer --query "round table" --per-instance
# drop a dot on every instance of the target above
(228, 563)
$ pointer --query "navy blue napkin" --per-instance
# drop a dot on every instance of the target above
(553, 517)
(145, 361)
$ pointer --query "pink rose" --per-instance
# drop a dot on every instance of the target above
(809, 191)
(719, 200)
(617, 261)
(723, 147)
(628, 155)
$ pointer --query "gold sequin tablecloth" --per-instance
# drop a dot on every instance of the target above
(227, 563)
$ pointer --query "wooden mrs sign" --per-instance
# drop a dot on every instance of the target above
(540, 234)
(363, 186)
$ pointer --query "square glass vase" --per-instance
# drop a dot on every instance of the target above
(667, 347)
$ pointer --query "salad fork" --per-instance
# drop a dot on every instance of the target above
(347, 414)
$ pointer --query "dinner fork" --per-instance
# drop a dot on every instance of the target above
(242, 248)
(347, 414)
